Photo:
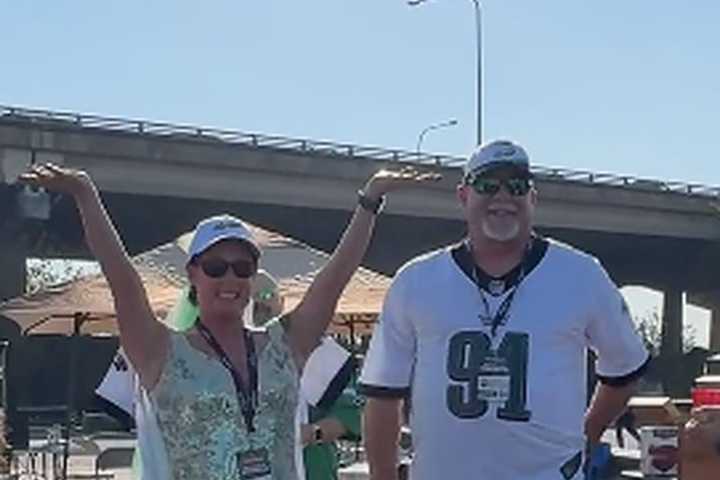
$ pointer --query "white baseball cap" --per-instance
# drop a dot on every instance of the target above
(221, 227)
(497, 153)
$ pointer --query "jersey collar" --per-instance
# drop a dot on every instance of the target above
(498, 285)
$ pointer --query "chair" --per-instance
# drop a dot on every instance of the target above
(88, 446)
(114, 457)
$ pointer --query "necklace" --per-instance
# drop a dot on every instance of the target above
(496, 287)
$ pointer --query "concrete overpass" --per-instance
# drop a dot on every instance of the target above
(159, 179)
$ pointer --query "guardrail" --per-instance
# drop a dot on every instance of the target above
(47, 118)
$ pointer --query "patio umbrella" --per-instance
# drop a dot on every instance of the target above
(88, 300)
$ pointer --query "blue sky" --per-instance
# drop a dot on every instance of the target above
(628, 87)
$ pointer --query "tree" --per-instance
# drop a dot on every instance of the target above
(43, 273)
(673, 374)
(649, 327)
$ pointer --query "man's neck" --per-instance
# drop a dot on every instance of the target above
(498, 258)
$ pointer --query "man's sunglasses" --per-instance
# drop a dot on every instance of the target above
(516, 186)
(217, 267)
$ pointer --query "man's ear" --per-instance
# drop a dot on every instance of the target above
(533, 197)
(191, 271)
(462, 193)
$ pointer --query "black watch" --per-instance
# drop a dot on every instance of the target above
(317, 433)
(373, 206)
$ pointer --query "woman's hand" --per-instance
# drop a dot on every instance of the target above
(143, 338)
(58, 179)
(385, 181)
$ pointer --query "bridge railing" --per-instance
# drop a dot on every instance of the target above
(60, 119)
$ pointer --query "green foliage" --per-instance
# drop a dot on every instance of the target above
(649, 327)
(44, 273)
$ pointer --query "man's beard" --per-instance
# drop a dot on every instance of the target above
(501, 231)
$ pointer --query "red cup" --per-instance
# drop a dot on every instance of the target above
(705, 396)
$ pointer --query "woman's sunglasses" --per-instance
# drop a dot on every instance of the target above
(217, 267)
(516, 186)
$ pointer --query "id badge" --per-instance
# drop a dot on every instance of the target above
(494, 380)
(254, 464)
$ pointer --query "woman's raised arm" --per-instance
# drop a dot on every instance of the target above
(143, 338)
(309, 320)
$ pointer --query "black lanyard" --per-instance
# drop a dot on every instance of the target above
(247, 394)
(502, 314)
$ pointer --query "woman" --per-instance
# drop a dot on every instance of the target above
(220, 400)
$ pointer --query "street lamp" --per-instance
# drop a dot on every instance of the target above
(435, 126)
(478, 31)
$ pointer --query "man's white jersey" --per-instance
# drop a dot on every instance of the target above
(507, 405)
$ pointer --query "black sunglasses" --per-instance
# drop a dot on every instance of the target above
(217, 267)
(516, 186)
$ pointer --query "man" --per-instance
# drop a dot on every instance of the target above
(490, 337)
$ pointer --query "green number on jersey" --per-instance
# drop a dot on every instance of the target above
(467, 352)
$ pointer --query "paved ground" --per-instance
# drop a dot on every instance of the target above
(85, 464)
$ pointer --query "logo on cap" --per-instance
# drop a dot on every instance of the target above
(225, 224)
(505, 152)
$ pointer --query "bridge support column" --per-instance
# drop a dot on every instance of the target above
(715, 329)
(672, 322)
(672, 341)
(12, 268)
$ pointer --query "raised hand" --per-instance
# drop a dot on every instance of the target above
(58, 179)
(385, 181)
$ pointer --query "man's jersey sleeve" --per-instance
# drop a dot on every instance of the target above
(622, 357)
(388, 365)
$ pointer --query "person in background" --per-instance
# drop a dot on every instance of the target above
(341, 421)
(5, 452)
(626, 421)
(329, 406)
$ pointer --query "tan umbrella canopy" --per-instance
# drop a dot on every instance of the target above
(87, 299)
(359, 305)
(162, 270)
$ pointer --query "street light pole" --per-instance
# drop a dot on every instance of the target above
(479, 74)
(449, 123)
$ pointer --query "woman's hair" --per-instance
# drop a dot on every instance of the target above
(192, 295)
(184, 313)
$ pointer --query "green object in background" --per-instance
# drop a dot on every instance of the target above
(321, 461)
(183, 315)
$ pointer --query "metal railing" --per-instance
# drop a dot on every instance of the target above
(59, 119)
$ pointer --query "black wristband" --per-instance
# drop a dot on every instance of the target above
(318, 436)
(373, 206)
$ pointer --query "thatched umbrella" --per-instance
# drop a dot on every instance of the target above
(88, 300)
